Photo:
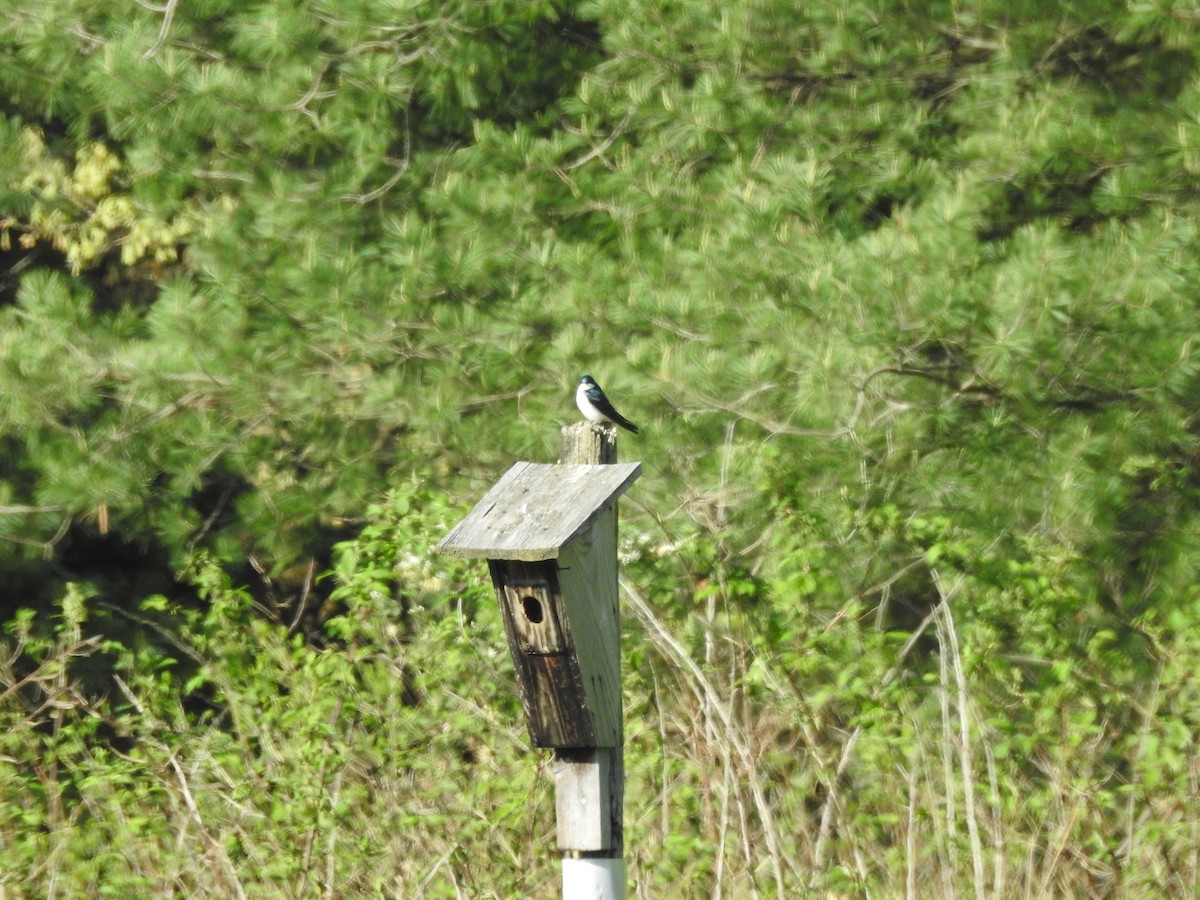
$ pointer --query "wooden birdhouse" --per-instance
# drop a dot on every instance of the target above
(549, 534)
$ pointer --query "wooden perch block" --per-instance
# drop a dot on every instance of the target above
(583, 799)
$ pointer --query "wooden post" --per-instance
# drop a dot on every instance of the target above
(587, 444)
(589, 783)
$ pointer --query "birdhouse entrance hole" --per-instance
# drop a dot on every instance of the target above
(532, 610)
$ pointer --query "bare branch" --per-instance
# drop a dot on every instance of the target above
(168, 18)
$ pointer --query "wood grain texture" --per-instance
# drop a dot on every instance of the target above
(586, 444)
(582, 799)
(590, 783)
(587, 574)
(535, 509)
(553, 687)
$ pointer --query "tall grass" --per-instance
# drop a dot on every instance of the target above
(834, 761)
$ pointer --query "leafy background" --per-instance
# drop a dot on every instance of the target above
(903, 296)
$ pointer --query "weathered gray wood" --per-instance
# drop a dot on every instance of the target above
(534, 510)
(582, 799)
(587, 573)
(554, 686)
(585, 443)
(560, 617)
(535, 610)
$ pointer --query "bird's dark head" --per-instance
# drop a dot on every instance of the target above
(587, 379)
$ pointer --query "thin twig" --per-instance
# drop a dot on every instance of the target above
(964, 730)
(401, 167)
(705, 691)
(998, 864)
(910, 839)
(947, 746)
(304, 592)
(832, 801)
(78, 650)
(600, 148)
(168, 18)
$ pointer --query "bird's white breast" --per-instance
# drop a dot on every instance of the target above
(585, 405)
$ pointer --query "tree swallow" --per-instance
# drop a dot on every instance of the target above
(595, 406)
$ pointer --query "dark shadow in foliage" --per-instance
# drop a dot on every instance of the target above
(117, 573)
(523, 70)
(116, 286)
(30, 584)
(113, 284)
(117, 567)
(854, 209)
(215, 502)
(1061, 188)
(802, 86)
(1147, 71)
(17, 260)
(905, 605)
(532, 80)
(298, 597)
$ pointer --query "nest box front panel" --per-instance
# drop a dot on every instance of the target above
(539, 638)
(533, 611)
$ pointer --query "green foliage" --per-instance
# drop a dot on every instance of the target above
(230, 754)
(78, 213)
(900, 293)
(277, 767)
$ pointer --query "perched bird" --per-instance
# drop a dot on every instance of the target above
(595, 406)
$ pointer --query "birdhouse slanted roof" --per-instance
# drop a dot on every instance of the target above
(536, 509)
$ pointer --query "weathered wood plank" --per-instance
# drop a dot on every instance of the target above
(583, 799)
(553, 688)
(587, 575)
(535, 509)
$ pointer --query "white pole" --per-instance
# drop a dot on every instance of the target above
(593, 879)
